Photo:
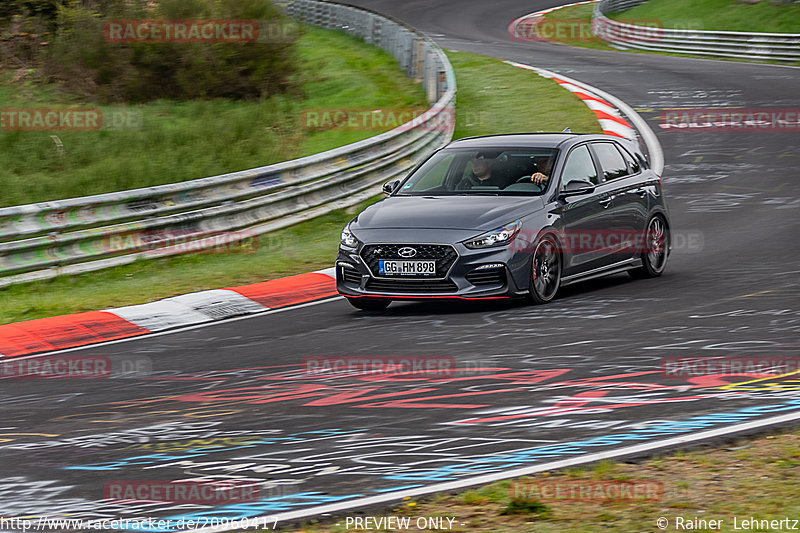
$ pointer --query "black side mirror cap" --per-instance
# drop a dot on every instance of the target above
(577, 188)
(390, 186)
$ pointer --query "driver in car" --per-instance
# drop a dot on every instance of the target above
(542, 174)
(481, 174)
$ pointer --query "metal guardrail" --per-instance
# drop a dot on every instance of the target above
(761, 46)
(44, 240)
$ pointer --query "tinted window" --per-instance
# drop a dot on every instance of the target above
(642, 161)
(579, 166)
(633, 163)
(611, 160)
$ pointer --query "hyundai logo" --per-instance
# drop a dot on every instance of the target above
(407, 251)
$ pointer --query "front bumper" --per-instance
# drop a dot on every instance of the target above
(473, 274)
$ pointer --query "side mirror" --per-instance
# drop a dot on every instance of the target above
(390, 186)
(576, 188)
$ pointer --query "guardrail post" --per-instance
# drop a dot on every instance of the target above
(369, 30)
(430, 75)
(419, 58)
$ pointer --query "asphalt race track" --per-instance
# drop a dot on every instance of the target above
(514, 386)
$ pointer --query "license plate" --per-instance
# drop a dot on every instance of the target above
(406, 268)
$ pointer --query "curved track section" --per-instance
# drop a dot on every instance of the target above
(512, 387)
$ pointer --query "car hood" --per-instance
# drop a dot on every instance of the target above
(462, 213)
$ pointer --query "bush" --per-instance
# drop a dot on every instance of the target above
(24, 27)
(44, 9)
(85, 62)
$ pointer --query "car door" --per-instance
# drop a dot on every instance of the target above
(585, 217)
(629, 199)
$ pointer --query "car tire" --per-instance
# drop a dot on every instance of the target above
(370, 304)
(654, 257)
(545, 270)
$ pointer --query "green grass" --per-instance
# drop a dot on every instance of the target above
(180, 141)
(497, 98)
(728, 15)
(492, 98)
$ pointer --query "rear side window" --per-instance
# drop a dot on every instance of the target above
(611, 161)
(579, 166)
(633, 163)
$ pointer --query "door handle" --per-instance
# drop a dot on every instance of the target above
(605, 202)
(641, 192)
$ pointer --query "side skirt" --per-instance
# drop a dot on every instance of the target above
(615, 268)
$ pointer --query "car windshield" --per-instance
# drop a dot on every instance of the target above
(500, 171)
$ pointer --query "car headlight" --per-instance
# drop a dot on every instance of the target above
(496, 237)
(348, 239)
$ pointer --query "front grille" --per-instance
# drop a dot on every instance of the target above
(409, 285)
(350, 275)
(444, 255)
(489, 276)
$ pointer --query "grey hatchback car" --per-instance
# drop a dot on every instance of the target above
(506, 216)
